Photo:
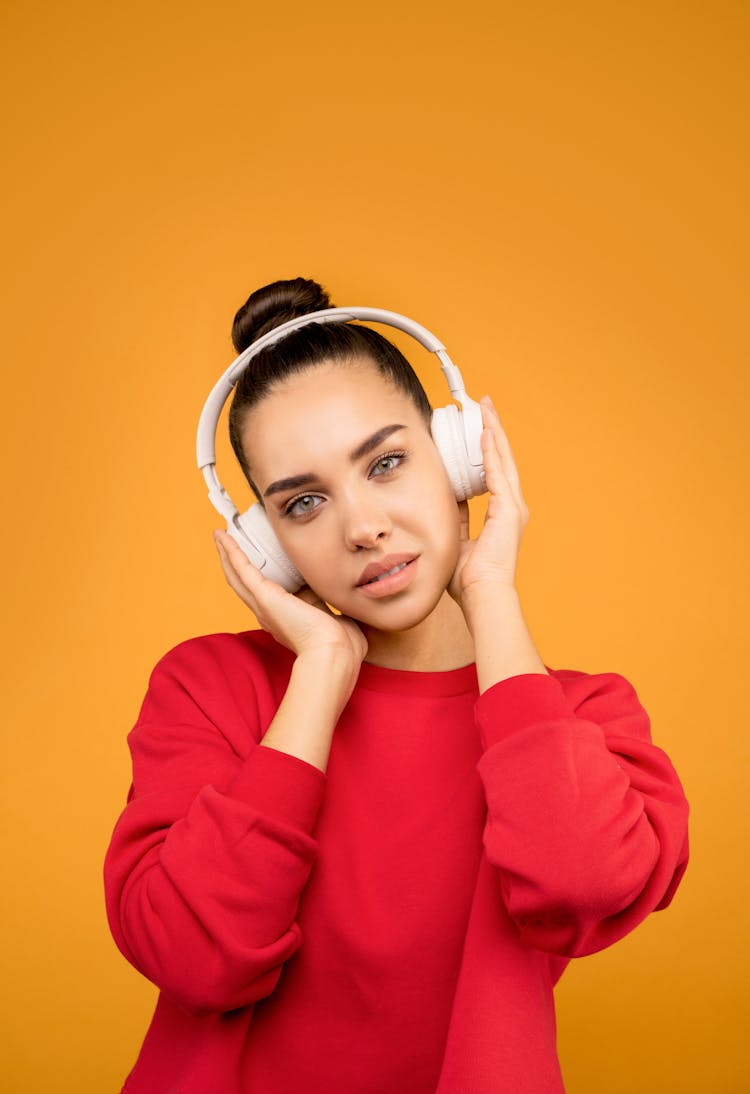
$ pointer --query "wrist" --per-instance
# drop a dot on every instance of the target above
(484, 601)
(326, 658)
(503, 646)
(328, 671)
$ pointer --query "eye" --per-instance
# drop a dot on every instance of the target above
(299, 508)
(292, 510)
(388, 458)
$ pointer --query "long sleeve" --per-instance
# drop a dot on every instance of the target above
(586, 817)
(209, 857)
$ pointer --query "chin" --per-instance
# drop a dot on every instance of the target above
(397, 616)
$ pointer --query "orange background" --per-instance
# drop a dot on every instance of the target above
(560, 193)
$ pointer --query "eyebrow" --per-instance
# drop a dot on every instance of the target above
(361, 450)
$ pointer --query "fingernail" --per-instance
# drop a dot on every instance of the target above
(216, 535)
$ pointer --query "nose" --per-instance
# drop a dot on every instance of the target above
(365, 520)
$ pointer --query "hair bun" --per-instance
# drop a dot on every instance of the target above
(274, 304)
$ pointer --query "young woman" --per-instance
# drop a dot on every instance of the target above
(363, 841)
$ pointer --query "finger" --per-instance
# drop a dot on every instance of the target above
(503, 446)
(495, 477)
(463, 520)
(491, 421)
(311, 597)
(226, 547)
(233, 579)
(238, 562)
(246, 580)
(506, 452)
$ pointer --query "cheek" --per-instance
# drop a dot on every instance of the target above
(451, 541)
(441, 509)
(440, 483)
(308, 554)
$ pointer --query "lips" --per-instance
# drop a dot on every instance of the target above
(382, 566)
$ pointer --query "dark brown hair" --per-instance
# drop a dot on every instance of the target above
(303, 349)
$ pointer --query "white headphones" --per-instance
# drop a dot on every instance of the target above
(457, 434)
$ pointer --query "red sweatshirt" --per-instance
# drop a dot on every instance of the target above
(396, 924)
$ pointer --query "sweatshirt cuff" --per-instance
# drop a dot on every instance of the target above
(280, 785)
(517, 702)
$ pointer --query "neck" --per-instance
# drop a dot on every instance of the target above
(439, 643)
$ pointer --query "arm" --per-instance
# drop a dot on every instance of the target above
(587, 821)
(209, 858)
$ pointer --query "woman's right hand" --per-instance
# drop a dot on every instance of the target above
(300, 621)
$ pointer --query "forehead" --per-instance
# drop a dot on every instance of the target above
(321, 414)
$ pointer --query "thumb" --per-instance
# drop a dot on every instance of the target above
(311, 597)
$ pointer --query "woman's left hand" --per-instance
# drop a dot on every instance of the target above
(490, 560)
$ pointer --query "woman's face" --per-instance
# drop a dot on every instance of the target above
(363, 497)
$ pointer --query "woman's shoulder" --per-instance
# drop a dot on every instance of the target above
(607, 698)
(208, 698)
(225, 647)
(581, 684)
(206, 662)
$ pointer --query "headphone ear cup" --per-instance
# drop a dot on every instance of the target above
(448, 427)
(253, 532)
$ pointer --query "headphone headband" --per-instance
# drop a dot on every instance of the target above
(209, 419)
